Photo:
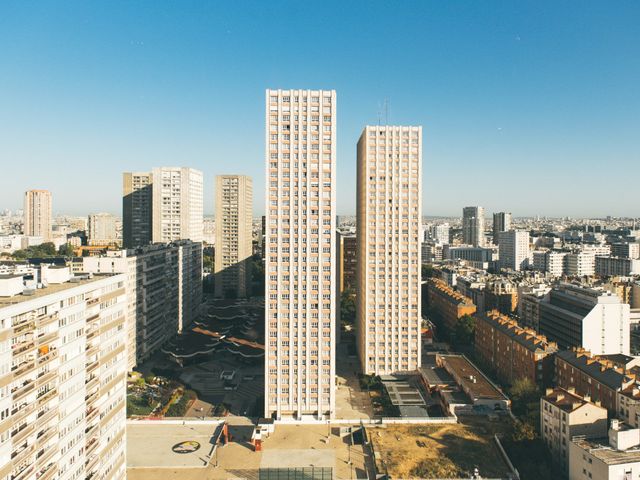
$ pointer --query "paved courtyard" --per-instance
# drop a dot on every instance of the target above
(351, 402)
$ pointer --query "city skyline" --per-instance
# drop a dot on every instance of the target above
(506, 105)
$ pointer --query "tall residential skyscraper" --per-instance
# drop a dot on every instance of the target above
(501, 223)
(162, 206)
(234, 231)
(473, 226)
(63, 370)
(37, 214)
(101, 229)
(389, 204)
(177, 212)
(136, 209)
(300, 260)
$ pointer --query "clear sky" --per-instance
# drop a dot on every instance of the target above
(527, 106)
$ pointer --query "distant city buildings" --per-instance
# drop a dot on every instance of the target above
(389, 204)
(440, 233)
(37, 214)
(300, 258)
(101, 229)
(162, 206)
(63, 370)
(501, 223)
(234, 233)
(473, 226)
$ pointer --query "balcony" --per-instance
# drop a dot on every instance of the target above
(18, 414)
(45, 355)
(22, 433)
(45, 435)
(45, 338)
(44, 417)
(44, 378)
(48, 472)
(22, 391)
(24, 326)
(44, 397)
(24, 473)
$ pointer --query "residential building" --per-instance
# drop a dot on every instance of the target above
(576, 316)
(471, 254)
(101, 229)
(162, 206)
(607, 458)
(564, 415)
(37, 214)
(581, 264)
(601, 378)
(164, 291)
(473, 226)
(300, 261)
(177, 212)
(63, 375)
(431, 252)
(616, 266)
(389, 206)
(626, 250)
(514, 250)
(447, 304)
(234, 233)
(347, 261)
(501, 223)
(512, 351)
(500, 294)
(136, 209)
(529, 300)
(439, 233)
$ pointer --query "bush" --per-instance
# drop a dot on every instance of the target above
(179, 408)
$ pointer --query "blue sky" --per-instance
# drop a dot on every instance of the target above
(531, 106)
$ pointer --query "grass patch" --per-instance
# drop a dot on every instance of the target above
(138, 406)
(179, 407)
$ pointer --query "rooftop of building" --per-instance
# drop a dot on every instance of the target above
(470, 377)
(52, 288)
(602, 370)
(450, 292)
(526, 337)
(566, 400)
(600, 448)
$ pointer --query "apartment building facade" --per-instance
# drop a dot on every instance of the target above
(234, 233)
(593, 319)
(449, 305)
(389, 218)
(164, 291)
(300, 259)
(37, 214)
(501, 223)
(101, 229)
(564, 415)
(473, 226)
(162, 206)
(512, 351)
(514, 249)
(63, 378)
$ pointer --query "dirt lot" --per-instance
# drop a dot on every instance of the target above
(438, 451)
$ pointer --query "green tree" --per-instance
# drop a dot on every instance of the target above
(207, 262)
(427, 271)
(348, 306)
(66, 250)
(465, 330)
(525, 399)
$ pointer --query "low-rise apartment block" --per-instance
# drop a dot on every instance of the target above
(448, 304)
(601, 378)
(514, 352)
(63, 374)
(564, 415)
